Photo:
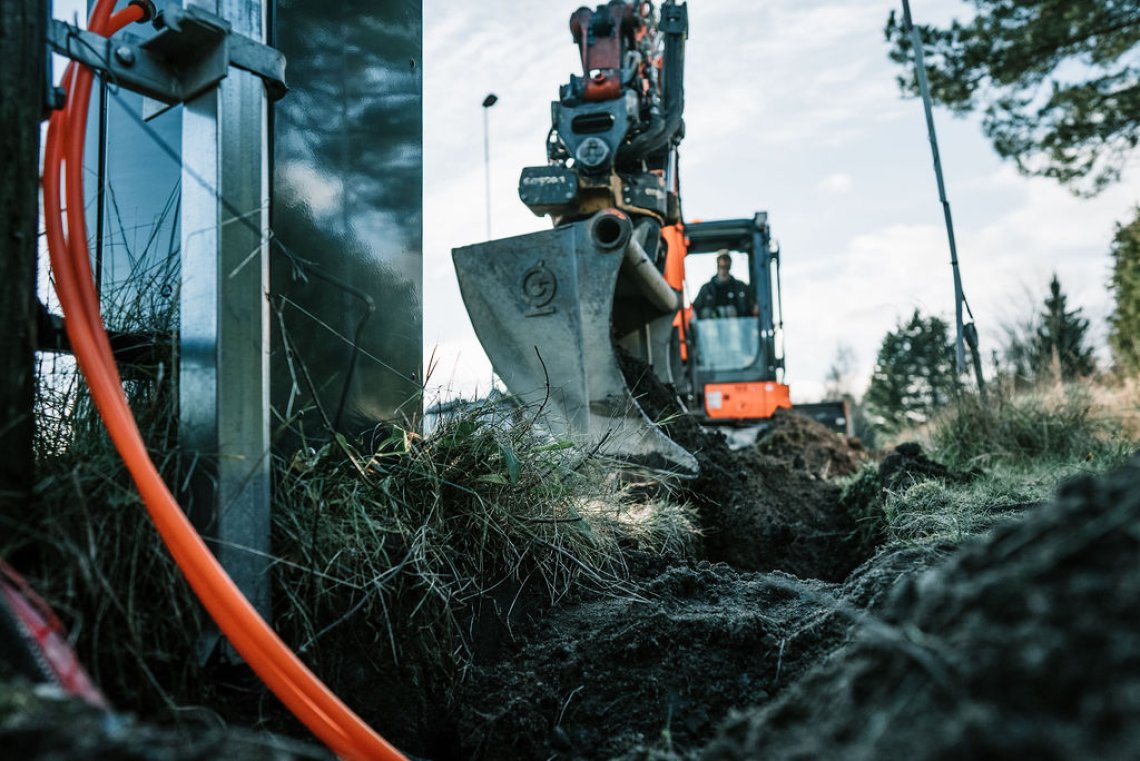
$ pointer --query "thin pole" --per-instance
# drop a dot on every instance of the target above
(487, 164)
(489, 101)
(924, 89)
(101, 192)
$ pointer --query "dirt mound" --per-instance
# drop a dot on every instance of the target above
(811, 446)
(598, 679)
(1023, 645)
(908, 464)
(758, 512)
(863, 497)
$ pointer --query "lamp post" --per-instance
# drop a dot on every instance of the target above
(489, 101)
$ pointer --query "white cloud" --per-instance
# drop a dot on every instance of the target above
(883, 274)
(837, 183)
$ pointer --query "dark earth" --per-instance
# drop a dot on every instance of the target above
(794, 634)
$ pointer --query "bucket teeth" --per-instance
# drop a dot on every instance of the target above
(542, 306)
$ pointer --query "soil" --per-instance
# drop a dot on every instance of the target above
(770, 507)
(795, 634)
(810, 446)
(908, 464)
(612, 677)
(1025, 644)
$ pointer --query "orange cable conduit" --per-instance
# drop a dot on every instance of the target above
(278, 667)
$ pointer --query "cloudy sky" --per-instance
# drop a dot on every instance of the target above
(791, 107)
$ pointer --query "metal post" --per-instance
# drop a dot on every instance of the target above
(920, 70)
(489, 101)
(224, 381)
(965, 333)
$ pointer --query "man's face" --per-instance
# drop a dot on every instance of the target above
(722, 268)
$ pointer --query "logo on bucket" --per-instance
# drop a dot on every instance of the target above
(539, 286)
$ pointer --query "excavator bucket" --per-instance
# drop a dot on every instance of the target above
(543, 308)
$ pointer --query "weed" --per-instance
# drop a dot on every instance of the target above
(1058, 424)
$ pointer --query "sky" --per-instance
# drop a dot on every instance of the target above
(792, 107)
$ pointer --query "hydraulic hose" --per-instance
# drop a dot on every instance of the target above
(665, 127)
(278, 667)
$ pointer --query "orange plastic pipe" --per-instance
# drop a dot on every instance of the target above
(281, 670)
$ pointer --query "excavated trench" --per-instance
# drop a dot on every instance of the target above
(781, 570)
(800, 638)
(796, 633)
(769, 507)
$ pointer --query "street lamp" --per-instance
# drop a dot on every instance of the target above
(489, 101)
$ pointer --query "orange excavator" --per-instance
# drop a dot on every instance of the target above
(731, 357)
(554, 309)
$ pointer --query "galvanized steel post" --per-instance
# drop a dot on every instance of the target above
(224, 370)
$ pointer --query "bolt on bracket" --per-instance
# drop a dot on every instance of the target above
(191, 53)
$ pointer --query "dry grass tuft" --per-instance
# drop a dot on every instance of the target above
(421, 534)
(1064, 423)
(1025, 444)
(87, 543)
(412, 544)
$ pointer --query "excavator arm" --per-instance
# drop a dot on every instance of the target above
(552, 308)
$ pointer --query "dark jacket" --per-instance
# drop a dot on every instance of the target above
(731, 298)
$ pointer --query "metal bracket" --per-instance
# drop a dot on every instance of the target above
(190, 54)
(674, 19)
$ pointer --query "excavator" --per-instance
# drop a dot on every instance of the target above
(556, 310)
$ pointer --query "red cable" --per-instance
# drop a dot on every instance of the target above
(310, 700)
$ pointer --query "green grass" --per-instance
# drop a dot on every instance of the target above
(422, 532)
(409, 542)
(1024, 445)
(1059, 424)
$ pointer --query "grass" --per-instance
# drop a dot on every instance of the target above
(411, 543)
(1065, 423)
(1022, 446)
(87, 544)
(435, 534)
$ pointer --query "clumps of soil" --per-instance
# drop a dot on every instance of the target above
(758, 511)
(760, 515)
(863, 497)
(660, 671)
(811, 446)
(1026, 644)
(908, 464)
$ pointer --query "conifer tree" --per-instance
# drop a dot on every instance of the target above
(1059, 349)
(914, 374)
(1124, 323)
(1057, 82)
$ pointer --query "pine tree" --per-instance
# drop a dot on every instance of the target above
(1124, 323)
(914, 374)
(1056, 82)
(1059, 350)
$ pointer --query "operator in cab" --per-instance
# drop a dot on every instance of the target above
(724, 295)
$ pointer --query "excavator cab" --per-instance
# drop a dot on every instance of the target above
(734, 362)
